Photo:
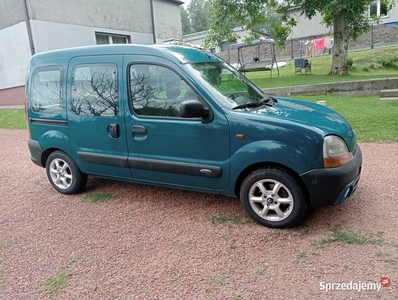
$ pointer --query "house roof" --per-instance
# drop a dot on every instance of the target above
(179, 2)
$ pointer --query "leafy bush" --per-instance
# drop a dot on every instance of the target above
(350, 62)
(388, 61)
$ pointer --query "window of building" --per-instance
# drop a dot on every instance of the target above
(157, 91)
(94, 90)
(103, 38)
(46, 90)
(378, 9)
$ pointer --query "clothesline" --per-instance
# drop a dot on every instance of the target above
(316, 47)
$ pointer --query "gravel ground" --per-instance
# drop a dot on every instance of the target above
(158, 243)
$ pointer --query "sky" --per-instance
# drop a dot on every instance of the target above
(186, 3)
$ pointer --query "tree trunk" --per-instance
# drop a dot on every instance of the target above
(340, 48)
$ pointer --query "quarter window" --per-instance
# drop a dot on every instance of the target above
(46, 90)
(94, 90)
(157, 91)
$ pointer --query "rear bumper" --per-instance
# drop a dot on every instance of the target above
(35, 152)
(333, 186)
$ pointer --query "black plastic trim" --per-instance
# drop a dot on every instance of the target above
(325, 185)
(104, 159)
(48, 121)
(175, 167)
(35, 152)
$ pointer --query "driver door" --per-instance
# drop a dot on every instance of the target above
(164, 147)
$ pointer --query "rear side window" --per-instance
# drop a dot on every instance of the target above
(46, 90)
(94, 90)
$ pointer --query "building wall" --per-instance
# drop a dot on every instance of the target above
(12, 96)
(11, 13)
(131, 15)
(167, 20)
(392, 16)
(306, 27)
(15, 55)
(50, 36)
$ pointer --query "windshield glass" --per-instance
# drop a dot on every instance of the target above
(229, 87)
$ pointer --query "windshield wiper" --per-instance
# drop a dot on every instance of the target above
(269, 101)
(248, 105)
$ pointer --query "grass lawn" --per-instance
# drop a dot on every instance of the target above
(12, 118)
(372, 119)
(368, 64)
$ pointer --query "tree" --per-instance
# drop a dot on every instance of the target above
(225, 15)
(348, 17)
(199, 15)
(185, 23)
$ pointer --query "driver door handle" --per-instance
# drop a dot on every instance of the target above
(138, 129)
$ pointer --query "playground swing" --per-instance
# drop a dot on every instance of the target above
(258, 63)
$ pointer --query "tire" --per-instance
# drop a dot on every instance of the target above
(272, 198)
(63, 173)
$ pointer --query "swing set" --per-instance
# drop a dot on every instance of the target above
(257, 63)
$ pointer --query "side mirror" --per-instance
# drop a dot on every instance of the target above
(191, 109)
(195, 109)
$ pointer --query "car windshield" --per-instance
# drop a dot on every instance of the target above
(229, 87)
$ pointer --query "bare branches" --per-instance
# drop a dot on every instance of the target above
(97, 94)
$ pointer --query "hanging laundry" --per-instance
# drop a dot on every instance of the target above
(302, 48)
(331, 42)
(309, 48)
(320, 46)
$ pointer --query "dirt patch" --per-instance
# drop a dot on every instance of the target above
(157, 243)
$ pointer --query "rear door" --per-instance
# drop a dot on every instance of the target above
(163, 147)
(95, 116)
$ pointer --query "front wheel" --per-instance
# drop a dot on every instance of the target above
(63, 173)
(272, 198)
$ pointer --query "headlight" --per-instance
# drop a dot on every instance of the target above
(335, 152)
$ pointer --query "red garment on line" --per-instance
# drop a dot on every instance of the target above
(320, 44)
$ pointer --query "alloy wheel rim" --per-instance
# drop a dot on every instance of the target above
(271, 200)
(61, 174)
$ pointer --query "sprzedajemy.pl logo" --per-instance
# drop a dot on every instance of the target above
(354, 286)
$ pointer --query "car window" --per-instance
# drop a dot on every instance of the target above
(157, 91)
(226, 85)
(46, 90)
(94, 90)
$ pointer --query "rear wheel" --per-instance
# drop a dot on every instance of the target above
(63, 173)
(272, 198)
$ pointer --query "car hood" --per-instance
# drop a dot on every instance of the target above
(310, 115)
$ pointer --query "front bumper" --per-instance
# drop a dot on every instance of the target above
(333, 186)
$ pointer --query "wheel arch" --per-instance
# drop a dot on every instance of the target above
(46, 153)
(262, 165)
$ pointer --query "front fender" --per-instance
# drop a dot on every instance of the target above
(274, 152)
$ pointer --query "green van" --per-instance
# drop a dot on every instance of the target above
(183, 118)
